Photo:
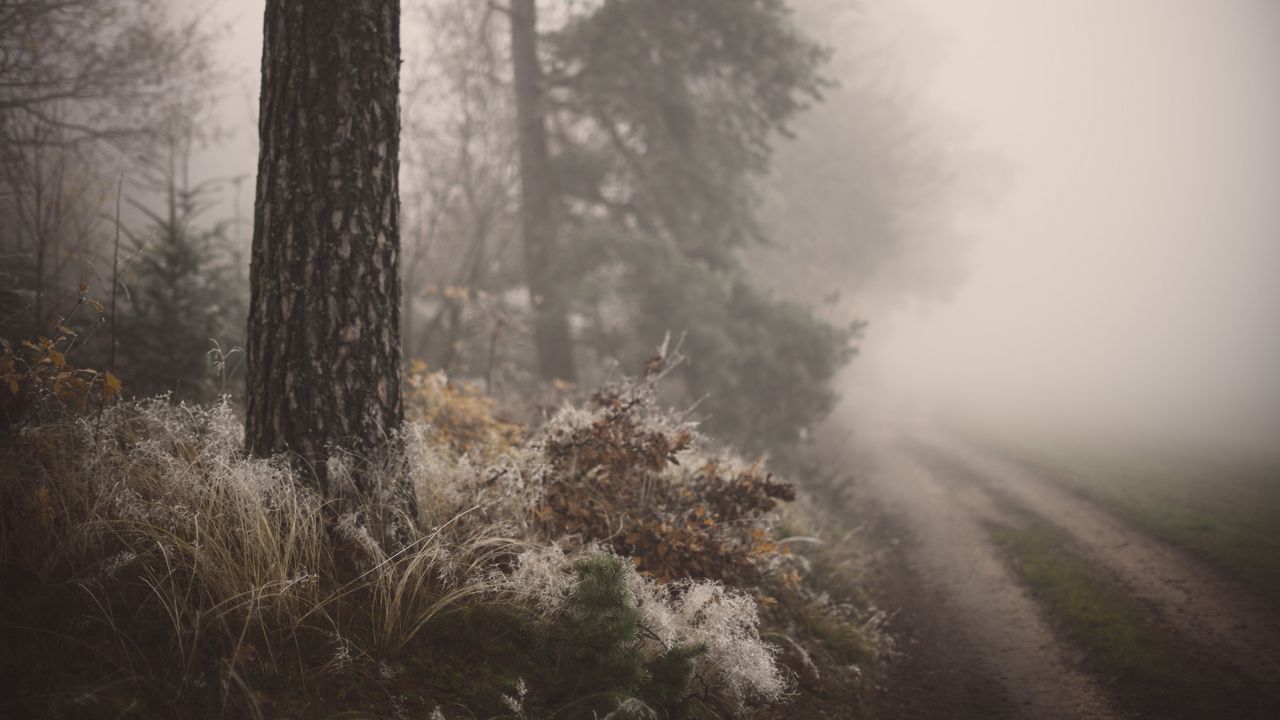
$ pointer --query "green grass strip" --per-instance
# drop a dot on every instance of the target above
(1082, 600)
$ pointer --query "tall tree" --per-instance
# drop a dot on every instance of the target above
(323, 366)
(659, 119)
(865, 190)
(666, 116)
(538, 199)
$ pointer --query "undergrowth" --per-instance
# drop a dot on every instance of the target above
(36, 378)
(150, 569)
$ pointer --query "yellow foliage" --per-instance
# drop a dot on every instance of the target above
(111, 386)
(39, 371)
(459, 414)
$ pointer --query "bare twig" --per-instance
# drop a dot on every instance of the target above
(115, 273)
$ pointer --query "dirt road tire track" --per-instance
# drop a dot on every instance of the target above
(1237, 628)
(975, 644)
(983, 648)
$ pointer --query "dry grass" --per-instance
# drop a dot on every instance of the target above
(177, 559)
(150, 569)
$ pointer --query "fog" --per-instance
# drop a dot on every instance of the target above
(1122, 276)
(1125, 280)
(894, 358)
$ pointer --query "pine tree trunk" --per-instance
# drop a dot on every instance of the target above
(323, 366)
(538, 195)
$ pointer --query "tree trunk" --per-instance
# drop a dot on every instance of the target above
(538, 195)
(323, 365)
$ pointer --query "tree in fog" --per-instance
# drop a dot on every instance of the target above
(666, 114)
(48, 221)
(538, 225)
(323, 366)
(94, 69)
(861, 198)
(184, 291)
(84, 85)
(659, 120)
(463, 279)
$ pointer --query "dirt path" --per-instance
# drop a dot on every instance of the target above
(981, 647)
(975, 644)
(1193, 600)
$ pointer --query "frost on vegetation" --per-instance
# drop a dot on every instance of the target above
(456, 490)
(515, 702)
(232, 546)
(542, 577)
(726, 622)
(357, 536)
(458, 415)
(704, 613)
(157, 506)
(639, 480)
(632, 709)
(341, 659)
(114, 564)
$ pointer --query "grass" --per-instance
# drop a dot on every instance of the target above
(829, 614)
(1083, 600)
(1151, 672)
(1221, 510)
(148, 568)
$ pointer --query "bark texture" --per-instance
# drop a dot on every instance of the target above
(538, 199)
(324, 325)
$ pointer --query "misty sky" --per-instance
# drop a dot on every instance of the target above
(1130, 270)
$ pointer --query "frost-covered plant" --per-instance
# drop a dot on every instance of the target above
(496, 498)
(202, 573)
(151, 534)
(632, 709)
(458, 415)
(630, 636)
(637, 479)
(541, 576)
(726, 624)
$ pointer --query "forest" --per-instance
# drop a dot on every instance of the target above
(631, 359)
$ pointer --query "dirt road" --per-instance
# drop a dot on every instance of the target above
(976, 643)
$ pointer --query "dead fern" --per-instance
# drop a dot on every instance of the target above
(635, 479)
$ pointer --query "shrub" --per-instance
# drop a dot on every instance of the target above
(149, 568)
(459, 415)
(617, 636)
(600, 651)
(635, 479)
(36, 377)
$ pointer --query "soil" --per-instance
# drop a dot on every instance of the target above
(973, 642)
